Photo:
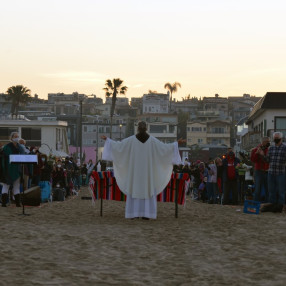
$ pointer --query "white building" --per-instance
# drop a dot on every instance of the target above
(156, 103)
(267, 116)
(161, 126)
(50, 136)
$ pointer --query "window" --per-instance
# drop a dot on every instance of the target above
(280, 124)
(197, 129)
(200, 140)
(217, 130)
(158, 128)
(5, 132)
(32, 135)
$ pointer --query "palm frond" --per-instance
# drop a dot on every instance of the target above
(168, 86)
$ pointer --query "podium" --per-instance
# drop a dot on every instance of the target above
(23, 159)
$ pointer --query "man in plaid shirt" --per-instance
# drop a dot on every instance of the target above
(276, 174)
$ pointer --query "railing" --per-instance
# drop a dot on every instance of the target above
(250, 140)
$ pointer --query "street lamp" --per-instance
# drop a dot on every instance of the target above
(120, 130)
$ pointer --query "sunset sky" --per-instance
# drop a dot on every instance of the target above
(226, 47)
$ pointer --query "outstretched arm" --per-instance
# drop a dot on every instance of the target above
(181, 140)
(103, 137)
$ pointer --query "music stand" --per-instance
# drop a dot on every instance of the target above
(23, 159)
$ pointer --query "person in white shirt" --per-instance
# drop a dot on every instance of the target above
(142, 167)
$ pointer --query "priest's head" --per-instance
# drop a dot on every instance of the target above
(142, 126)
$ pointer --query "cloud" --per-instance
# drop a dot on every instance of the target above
(137, 85)
(79, 76)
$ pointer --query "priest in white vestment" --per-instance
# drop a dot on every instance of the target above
(143, 167)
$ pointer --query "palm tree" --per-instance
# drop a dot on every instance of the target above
(172, 88)
(113, 88)
(152, 91)
(19, 95)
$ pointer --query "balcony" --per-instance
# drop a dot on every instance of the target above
(250, 140)
(218, 135)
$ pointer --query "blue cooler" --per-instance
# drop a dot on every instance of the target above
(251, 207)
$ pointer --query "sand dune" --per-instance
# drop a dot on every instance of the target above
(68, 243)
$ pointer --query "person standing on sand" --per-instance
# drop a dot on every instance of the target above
(11, 172)
(276, 157)
(142, 167)
(260, 169)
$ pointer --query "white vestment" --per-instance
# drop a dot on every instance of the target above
(142, 171)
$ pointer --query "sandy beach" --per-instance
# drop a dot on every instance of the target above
(68, 243)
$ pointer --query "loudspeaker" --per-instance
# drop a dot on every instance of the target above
(32, 196)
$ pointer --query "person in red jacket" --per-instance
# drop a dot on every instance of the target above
(260, 169)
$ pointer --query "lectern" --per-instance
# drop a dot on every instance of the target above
(23, 159)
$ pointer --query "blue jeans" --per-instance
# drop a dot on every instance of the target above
(276, 188)
(261, 178)
(212, 191)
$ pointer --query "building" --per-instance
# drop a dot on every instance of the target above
(50, 136)
(161, 126)
(137, 102)
(241, 106)
(189, 105)
(196, 133)
(217, 104)
(268, 116)
(213, 132)
(156, 103)
(120, 101)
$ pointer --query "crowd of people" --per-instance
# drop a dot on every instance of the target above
(229, 179)
(258, 176)
(59, 173)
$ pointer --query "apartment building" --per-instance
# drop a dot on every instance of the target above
(156, 103)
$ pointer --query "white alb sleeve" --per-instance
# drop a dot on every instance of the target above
(176, 155)
(107, 151)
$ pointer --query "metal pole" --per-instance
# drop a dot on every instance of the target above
(97, 140)
(80, 131)
(176, 197)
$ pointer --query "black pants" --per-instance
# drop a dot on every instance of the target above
(230, 187)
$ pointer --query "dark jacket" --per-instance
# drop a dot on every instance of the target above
(11, 172)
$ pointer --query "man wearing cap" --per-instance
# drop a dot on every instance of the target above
(142, 167)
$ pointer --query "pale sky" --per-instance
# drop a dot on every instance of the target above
(227, 47)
